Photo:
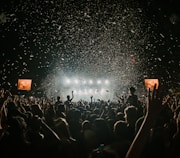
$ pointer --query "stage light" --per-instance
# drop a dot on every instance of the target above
(99, 82)
(90, 91)
(90, 81)
(76, 81)
(68, 81)
(83, 88)
(106, 81)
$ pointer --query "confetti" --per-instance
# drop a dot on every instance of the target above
(124, 41)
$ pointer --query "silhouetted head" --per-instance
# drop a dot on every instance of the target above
(132, 89)
(68, 97)
(58, 97)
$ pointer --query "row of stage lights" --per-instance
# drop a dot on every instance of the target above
(85, 82)
(90, 91)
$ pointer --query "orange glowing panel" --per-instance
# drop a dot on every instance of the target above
(24, 84)
(149, 83)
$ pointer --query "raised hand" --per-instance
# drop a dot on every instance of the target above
(156, 101)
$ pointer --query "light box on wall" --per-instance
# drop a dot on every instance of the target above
(149, 83)
(24, 84)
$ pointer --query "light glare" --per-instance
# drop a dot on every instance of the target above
(106, 81)
(99, 82)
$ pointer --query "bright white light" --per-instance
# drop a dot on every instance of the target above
(106, 81)
(99, 82)
(76, 81)
(90, 91)
(83, 88)
(90, 81)
(68, 81)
